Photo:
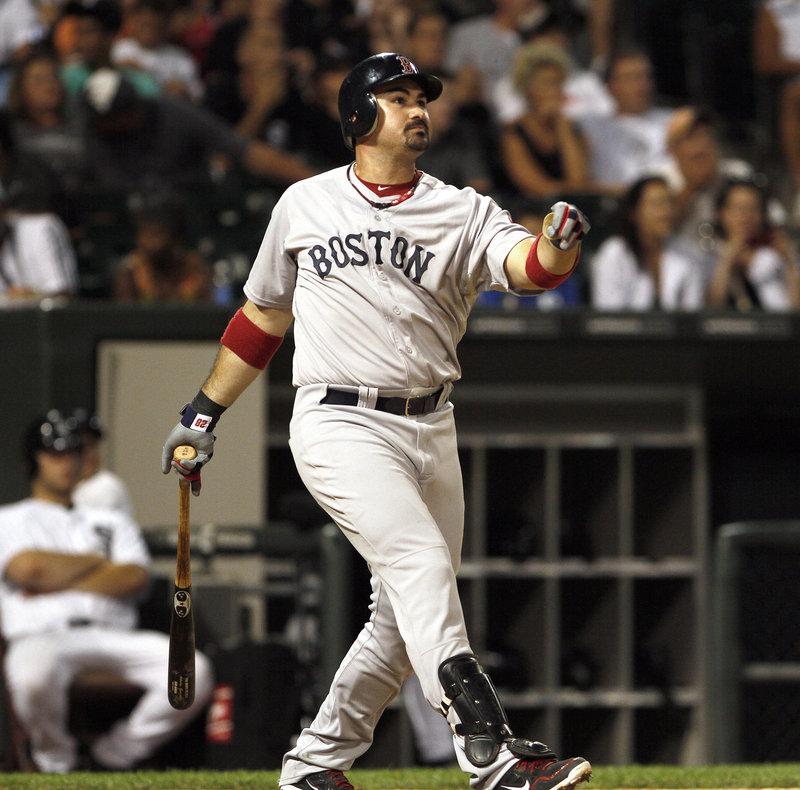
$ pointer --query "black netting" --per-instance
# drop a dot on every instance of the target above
(769, 614)
(770, 722)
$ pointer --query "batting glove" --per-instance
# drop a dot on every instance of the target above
(567, 227)
(202, 441)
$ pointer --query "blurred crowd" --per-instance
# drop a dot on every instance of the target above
(144, 142)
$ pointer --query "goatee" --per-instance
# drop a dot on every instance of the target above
(418, 142)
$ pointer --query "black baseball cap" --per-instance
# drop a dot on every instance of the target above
(106, 12)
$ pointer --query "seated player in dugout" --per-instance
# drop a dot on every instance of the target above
(72, 577)
(378, 264)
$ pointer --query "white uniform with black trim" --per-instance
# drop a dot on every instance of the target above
(36, 254)
(53, 637)
(381, 297)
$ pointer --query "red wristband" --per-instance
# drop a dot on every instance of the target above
(249, 342)
(538, 275)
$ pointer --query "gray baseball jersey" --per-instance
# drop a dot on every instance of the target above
(380, 296)
(381, 293)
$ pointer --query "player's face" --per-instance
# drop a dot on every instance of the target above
(58, 473)
(403, 118)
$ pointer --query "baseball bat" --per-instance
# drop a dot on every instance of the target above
(180, 675)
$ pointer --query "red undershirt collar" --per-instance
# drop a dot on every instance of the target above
(396, 193)
(386, 190)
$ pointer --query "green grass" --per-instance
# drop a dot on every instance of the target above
(762, 775)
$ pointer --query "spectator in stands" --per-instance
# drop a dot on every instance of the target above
(42, 123)
(222, 62)
(36, 254)
(426, 39)
(161, 268)
(641, 267)
(481, 49)
(323, 145)
(454, 154)
(147, 48)
(192, 25)
(97, 23)
(72, 578)
(385, 23)
(20, 28)
(696, 171)
(36, 257)
(260, 99)
(320, 26)
(97, 486)
(544, 152)
(162, 143)
(776, 38)
(754, 266)
(585, 92)
(633, 141)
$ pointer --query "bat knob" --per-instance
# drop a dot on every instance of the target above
(184, 452)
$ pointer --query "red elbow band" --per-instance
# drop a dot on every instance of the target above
(249, 342)
(538, 275)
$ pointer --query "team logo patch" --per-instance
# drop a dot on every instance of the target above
(406, 65)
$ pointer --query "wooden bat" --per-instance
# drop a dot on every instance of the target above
(180, 675)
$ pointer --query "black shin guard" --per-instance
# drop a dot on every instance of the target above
(470, 691)
(484, 724)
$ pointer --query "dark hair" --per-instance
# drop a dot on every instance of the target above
(724, 193)
(164, 210)
(626, 226)
(15, 102)
(107, 12)
(624, 52)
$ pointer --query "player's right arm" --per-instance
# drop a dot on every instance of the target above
(252, 337)
(232, 375)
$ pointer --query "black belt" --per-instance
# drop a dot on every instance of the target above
(409, 407)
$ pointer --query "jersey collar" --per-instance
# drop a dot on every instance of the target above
(369, 195)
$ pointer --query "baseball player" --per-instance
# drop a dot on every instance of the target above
(70, 579)
(97, 486)
(378, 264)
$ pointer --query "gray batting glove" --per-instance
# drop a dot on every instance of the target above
(568, 226)
(203, 443)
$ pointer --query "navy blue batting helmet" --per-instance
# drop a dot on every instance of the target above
(358, 108)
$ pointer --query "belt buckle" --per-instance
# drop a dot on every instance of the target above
(406, 411)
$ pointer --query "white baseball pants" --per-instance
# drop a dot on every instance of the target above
(393, 485)
(40, 668)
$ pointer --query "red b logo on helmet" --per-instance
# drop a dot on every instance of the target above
(407, 66)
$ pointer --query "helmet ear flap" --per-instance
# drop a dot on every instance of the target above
(363, 119)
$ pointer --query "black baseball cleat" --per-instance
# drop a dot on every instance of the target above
(546, 774)
(322, 780)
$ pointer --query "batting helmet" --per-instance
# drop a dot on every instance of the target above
(358, 108)
(87, 422)
(51, 432)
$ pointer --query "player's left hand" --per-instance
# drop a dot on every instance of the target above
(567, 227)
